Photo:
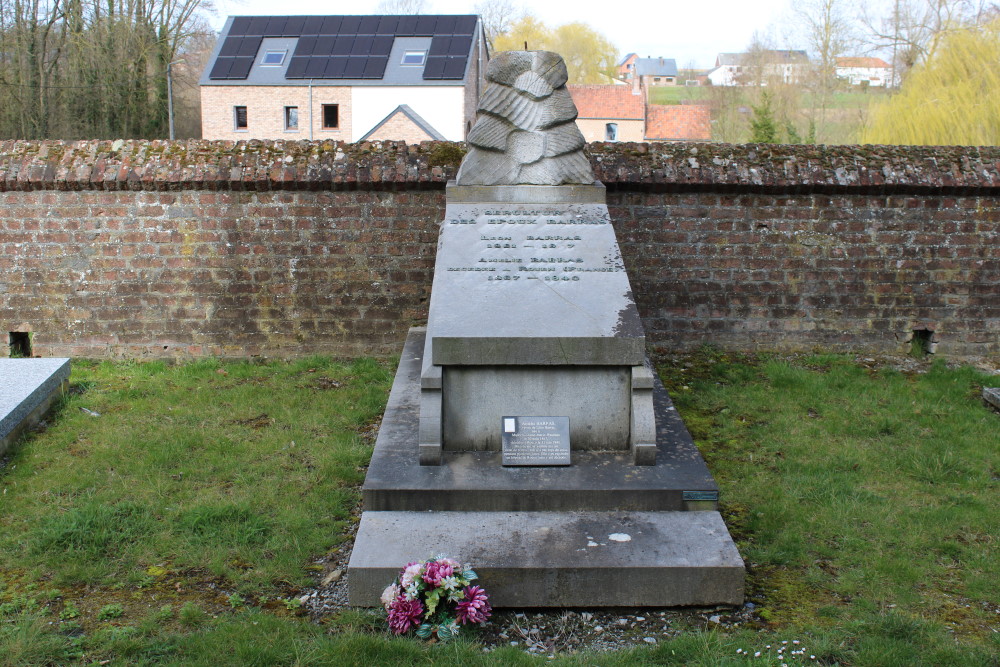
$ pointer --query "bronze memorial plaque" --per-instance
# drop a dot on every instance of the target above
(535, 441)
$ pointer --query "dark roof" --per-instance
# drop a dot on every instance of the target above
(344, 47)
(656, 67)
(414, 117)
(625, 59)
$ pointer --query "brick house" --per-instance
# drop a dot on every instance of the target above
(655, 72)
(407, 78)
(626, 67)
(619, 113)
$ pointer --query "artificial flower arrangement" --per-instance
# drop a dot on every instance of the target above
(436, 597)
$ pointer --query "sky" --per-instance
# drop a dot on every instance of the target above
(689, 32)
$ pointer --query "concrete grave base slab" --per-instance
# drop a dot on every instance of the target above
(477, 481)
(28, 387)
(992, 396)
(559, 559)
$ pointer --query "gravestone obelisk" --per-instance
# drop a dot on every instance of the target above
(525, 432)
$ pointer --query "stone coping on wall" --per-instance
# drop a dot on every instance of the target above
(385, 165)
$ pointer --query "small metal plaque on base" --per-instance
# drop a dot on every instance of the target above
(535, 441)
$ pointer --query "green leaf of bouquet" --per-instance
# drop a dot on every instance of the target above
(425, 631)
(444, 632)
(470, 574)
(432, 600)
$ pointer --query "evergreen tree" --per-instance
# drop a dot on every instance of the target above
(763, 127)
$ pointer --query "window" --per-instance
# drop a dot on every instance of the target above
(273, 58)
(240, 118)
(611, 132)
(413, 57)
(291, 118)
(656, 79)
(331, 116)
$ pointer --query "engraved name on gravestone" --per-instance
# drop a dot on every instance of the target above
(535, 441)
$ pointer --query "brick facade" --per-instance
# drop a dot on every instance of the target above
(282, 249)
(266, 112)
(400, 128)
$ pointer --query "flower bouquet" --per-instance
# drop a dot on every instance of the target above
(436, 598)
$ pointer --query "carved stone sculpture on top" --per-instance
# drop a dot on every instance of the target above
(526, 133)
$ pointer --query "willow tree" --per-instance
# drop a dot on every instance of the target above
(590, 56)
(950, 99)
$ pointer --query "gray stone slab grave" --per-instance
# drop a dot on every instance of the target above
(28, 387)
(992, 396)
(531, 316)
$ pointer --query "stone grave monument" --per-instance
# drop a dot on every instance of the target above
(526, 433)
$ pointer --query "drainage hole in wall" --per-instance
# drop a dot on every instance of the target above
(20, 344)
(920, 344)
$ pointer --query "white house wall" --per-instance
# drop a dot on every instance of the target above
(441, 106)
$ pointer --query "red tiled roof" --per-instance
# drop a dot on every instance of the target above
(678, 121)
(615, 102)
(862, 62)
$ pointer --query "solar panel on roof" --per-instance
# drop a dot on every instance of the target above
(362, 45)
(306, 46)
(439, 46)
(454, 68)
(324, 45)
(355, 68)
(445, 25)
(312, 25)
(375, 68)
(240, 25)
(231, 46)
(248, 48)
(434, 68)
(382, 45)
(296, 68)
(335, 68)
(241, 67)
(331, 25)
(369, 25)
(350, 24)
(315, 67)
(275, 26)
(387, 25)
(459, 46)
(257, 25)
(425, 25)
(220, 70)
(465, 25)
(293, 27)
(406, 26)
(343, 46)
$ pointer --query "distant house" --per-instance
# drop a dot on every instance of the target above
(344, 77)
(626, 67)
(759, 67)
(864, 71)
(656, 72)
(619, 113)
(609, 113)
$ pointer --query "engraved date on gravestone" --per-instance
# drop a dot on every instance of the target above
(535, 441)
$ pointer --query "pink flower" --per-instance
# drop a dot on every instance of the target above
(409, 573)
(404, 614)
(391, 592)
(474, 608)
(438, 570)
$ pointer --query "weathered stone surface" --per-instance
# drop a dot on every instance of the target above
(525, 132)
(992, 396)
(559, 559)
(596, 481)
(27, 389)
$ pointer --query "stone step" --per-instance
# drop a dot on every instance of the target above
(559, 559)
(598, 481)
(28, 387)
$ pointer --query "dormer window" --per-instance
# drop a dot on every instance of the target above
(273, 58)
(413, 58)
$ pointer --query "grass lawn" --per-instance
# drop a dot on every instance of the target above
(177, 525)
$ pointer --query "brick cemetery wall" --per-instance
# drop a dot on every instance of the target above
(286, 248)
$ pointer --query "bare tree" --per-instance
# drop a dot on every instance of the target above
(401, 7)
(498, 16)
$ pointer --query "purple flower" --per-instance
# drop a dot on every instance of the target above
(475, 608)
(404, 614)
(438, 570)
